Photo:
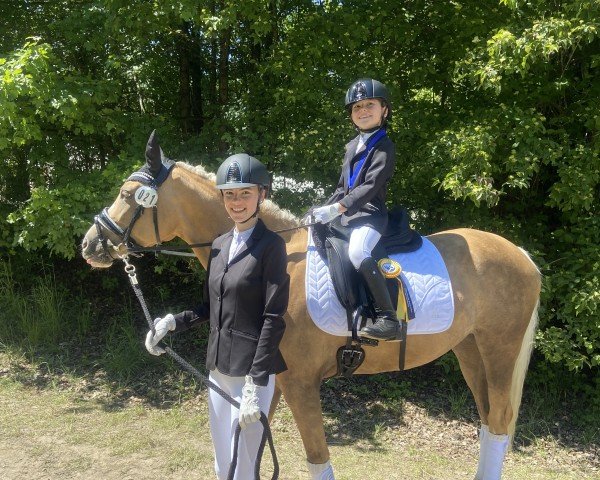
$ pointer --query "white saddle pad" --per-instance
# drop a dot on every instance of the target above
(424, 273)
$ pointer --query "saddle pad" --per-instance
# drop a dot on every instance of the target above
(424, 273)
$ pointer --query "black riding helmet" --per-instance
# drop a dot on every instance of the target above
(241, 170)
(365, 88)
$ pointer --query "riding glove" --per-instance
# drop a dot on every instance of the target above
(161, 327)
(327, 213)
(249, 409)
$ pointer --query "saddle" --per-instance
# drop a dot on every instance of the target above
(331, 241)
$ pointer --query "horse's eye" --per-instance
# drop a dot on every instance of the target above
(125, 194)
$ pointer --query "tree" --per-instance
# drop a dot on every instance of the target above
(495, 116)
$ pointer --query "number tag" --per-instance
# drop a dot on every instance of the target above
(146, 196)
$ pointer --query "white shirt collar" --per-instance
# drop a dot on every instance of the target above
(362, 139)
(238, 241)
(242, 236)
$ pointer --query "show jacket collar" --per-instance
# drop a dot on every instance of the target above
(256, 235)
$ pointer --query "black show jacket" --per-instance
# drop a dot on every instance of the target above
(245, 302)
(366, 200)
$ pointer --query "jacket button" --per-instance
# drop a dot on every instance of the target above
(218, 298)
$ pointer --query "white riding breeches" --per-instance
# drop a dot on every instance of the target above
(223, 420)
(362, 242)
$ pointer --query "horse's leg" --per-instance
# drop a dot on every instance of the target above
(274, 401)
(302, 394)
(505, 366)
(473, 370)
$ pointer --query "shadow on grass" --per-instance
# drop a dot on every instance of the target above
(359, 409)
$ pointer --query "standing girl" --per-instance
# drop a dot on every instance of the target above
(361, 192)
(245, 297)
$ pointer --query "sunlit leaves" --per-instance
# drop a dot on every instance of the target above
(495, 116)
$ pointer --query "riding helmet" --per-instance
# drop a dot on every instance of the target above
(241, 170)
(365, 88)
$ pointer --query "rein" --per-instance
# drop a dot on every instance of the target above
(175, 249)
(103, 220)
(266, 436)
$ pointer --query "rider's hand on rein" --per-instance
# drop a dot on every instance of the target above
(249, 409)
(327, 213)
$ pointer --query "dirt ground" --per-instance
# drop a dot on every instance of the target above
(59, 427)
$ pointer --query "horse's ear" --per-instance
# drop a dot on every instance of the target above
(153, 154)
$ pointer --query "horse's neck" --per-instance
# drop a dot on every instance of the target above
(198, 215)
(276, 218)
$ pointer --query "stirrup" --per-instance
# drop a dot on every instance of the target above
(383, 332)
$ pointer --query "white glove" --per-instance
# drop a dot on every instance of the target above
(161, 327)
(249, 409)
(327, 213)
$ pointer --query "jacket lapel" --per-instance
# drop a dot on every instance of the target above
(355, 158)
(255, 236)
(226, 246)
(350, 154)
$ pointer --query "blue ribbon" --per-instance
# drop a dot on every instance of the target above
(373, 139)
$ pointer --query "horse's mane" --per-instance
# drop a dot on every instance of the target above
(268, 206)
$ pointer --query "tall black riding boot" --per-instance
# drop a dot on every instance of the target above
(385, 325)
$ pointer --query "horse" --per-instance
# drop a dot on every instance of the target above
(496, 288)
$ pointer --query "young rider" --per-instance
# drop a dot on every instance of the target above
(361, 192)
(245, 297)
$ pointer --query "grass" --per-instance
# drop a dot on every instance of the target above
(78, 427)
(80, 398)
(62, 433)
(45, 315)
(58, 429)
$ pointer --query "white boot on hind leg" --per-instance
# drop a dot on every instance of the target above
(483, 434)
(320, 471)
(495, 451)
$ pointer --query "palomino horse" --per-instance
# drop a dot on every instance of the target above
(496, 292)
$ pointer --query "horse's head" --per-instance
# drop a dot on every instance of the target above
(132, 219)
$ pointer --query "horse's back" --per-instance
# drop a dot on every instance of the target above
(470, 249)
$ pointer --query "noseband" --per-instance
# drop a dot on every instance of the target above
(103, 220)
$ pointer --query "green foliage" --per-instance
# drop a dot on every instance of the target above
(43, 316)
(552, 389)
(125, 355)
(495, 118)
(572, 292)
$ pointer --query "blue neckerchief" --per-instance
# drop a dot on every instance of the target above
(373, 139)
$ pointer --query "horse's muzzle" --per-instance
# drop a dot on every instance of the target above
(94, 253)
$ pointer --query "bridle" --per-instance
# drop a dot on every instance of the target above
(104, 222)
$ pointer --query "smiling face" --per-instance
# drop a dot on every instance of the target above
(368, 114)
(241, 204)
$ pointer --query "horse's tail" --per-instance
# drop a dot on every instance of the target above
(520, 371)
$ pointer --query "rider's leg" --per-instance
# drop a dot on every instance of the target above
(362, 242)
(223, 420)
